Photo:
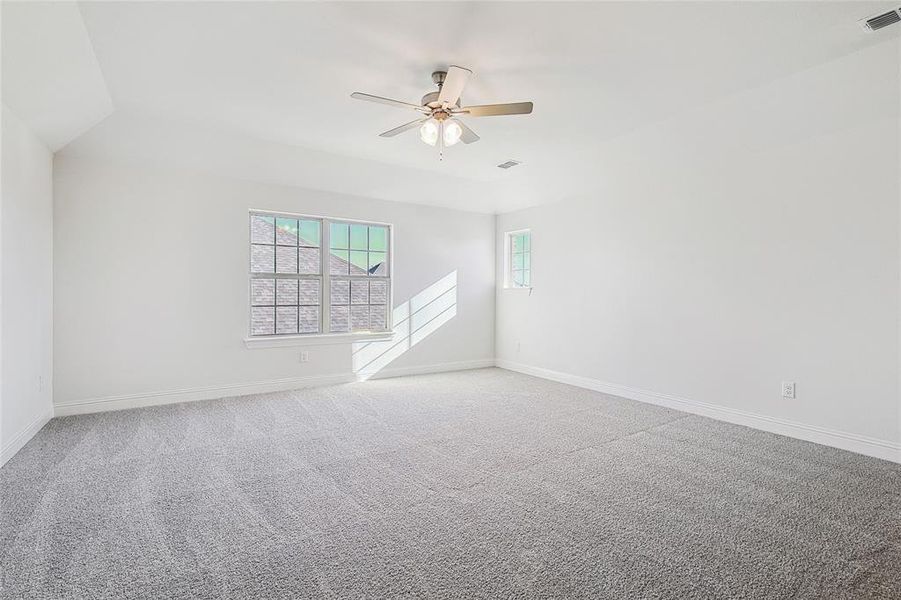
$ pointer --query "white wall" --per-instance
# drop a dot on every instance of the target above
(714, 280)
(27, 237)
(151, 283)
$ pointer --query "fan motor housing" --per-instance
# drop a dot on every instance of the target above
(431, 100)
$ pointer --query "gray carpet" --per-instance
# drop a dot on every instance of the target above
(480, 484)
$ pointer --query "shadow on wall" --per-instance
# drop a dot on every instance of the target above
(414, 320)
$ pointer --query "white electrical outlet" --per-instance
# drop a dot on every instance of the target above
(788, 389)
(305, 356)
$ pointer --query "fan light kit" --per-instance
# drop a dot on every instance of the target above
(440, 126)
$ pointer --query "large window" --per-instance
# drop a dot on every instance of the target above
(519, 259)
(299, 288)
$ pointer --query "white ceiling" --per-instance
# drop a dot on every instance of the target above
(604, 77)
(51, 78)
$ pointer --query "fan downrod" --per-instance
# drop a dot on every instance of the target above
(438, 77)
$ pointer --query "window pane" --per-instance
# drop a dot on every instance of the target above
(520, 259)
(309, 291)
(358, 263)
(286, 231)
(309, 233)
(338, 235)
(262, 292)
(359, 318)
(378, 263)
(285, 259)
(262, 321)
(309, 319)
(358, 237)
(262, 230)
(338, 262)
(378, 317)
(516, 240)
(378, 238)
(359, 292)
(340, 292)
(286, 319)
(262, 259)
(308, 261)
(378, 292)
(339, 319)
(286, 292)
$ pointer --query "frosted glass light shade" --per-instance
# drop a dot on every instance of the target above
(428, 133)
(452, 133)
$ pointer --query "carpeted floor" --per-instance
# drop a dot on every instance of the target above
(479, 484)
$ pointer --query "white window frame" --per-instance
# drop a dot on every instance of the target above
(508, 260)
(325, 277)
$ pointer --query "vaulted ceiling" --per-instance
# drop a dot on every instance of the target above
(51, 77)
(261, 90)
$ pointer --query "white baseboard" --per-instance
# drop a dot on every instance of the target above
(20, 439)
(127, 401)
(828, 437)
(463, 365)
(838, 439)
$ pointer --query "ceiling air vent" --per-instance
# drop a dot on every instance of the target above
(880, 21)
(509, 163)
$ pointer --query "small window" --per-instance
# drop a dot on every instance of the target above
(314, 275)
(519, 259)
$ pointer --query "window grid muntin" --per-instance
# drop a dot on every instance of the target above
(324, 276)
(349, 249)
(369, 304)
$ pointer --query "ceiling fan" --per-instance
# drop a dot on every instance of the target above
(439, 122)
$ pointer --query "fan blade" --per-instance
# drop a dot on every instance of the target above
(402, 128)
(453, 85)
(494, 110)
(468, 136)
(388, 101)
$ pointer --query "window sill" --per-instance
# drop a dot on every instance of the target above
(282, 341)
